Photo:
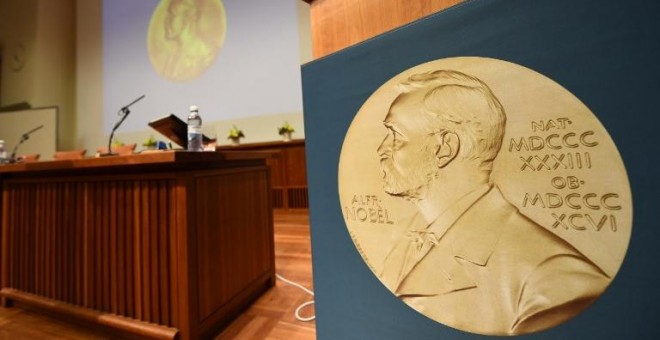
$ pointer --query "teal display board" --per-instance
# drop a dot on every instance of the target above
(605, 53)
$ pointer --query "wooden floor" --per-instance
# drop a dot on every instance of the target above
(270, 317)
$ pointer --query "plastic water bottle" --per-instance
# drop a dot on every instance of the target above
(195, 130)
(3, 152)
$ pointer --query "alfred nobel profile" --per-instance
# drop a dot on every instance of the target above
(185, 37)
(472, 261)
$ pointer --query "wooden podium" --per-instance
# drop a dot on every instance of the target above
(160, 245)
(288, 173)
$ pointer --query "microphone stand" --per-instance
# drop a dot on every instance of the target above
(24, 137)
(124, 111)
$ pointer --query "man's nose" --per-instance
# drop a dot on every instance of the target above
(384, 149)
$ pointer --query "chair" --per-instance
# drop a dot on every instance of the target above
(29, 158)
(70, 154)
(122, 150)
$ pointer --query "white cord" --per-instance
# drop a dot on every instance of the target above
(302, 305)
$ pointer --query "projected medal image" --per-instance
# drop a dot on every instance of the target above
(185, 37)
(485, 196)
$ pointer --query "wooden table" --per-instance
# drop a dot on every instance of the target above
(162, 245)
(288, 171)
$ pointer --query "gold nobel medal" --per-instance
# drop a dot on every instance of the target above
(485, 196)
(185, 37)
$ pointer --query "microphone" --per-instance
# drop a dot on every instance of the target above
(24, 137)
(124, 112)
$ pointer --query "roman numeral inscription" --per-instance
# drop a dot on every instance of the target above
(595, 211)
(556, 149)
(563, 161)
(555, 145)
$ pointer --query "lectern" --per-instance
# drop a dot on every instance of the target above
(161, 245)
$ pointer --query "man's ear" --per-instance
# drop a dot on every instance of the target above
(447, 148)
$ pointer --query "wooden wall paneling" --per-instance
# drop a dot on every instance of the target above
(88, 242)
(113, 255)
(104, 250)
(97, 250)
(137, 250)
(153, 288)
(18, 244)
(287, 171)
(4, 214)
(296, 191)
(72, 242)
(98, 204)
(132, 243)
(248, 222)
(278, 177)
(21, 245)
(221, 281)
(210, 240)
(50, 210)
(28, 242)
(120, 263)
(172, 241)
(270, 317)
(276, 164)
(49, 238)
(129, 262)
(4, 247)
(22, 223)
(337, 24)
(61, 234)
(25, 241)
(2, 200)
(39, 254)
(93, 228)
(78, 242)
(78, 254)
(162, 223)
(7, 194)
(186, 266)
(295, 165)
(145, 251)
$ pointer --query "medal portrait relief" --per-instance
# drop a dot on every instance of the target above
(185, 37)
(485, 196)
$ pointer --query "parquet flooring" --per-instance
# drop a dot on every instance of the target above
(272, 316)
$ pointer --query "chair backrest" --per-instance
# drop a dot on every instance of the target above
(29, 158)
(127, 149)
(70, 154)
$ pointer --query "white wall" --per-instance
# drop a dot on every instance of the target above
(89, 92)
(14, 124)
(17, 27)
(55, 65)
(45, 29)
(64, 68)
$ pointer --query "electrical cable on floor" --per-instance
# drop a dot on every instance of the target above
(302, 305)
